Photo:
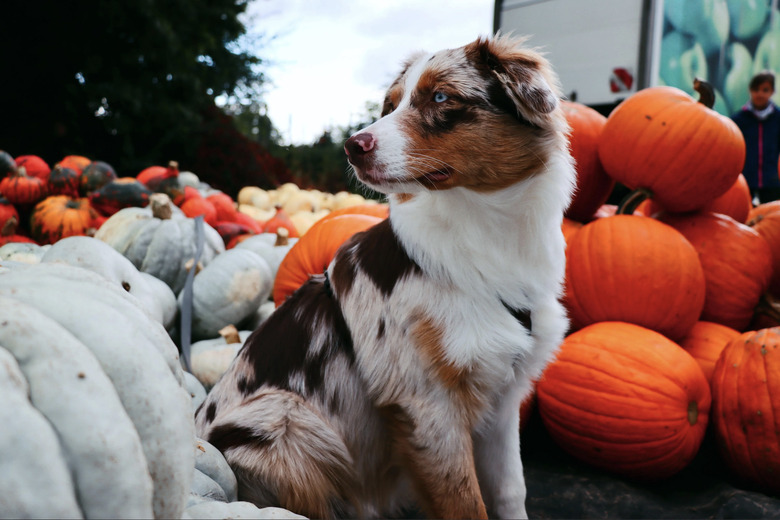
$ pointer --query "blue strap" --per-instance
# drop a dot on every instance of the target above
(186, 297)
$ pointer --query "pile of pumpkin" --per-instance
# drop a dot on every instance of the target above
(671, 295)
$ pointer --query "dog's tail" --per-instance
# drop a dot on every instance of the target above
(286, 454)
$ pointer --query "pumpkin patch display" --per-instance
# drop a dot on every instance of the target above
(593, 183)
(633, 269)
(737, 265)
(625, 399)
(60, 216)
(746, 413)
(679, 151)
(314, 251)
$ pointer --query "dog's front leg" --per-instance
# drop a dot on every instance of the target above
(437, 450)
(497, 458)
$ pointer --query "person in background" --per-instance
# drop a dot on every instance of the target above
(759, 121)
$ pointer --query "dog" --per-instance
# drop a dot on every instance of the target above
(394, 379)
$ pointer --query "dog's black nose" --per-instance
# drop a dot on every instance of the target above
(358, 146)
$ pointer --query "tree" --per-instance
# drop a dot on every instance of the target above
(130, 83)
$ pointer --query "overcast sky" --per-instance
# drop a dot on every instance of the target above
(328, 58)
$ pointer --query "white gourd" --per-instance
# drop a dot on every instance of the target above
(97, 256)
(136, 354)
(159, 239)
(210, 358)
(272, 247)
(25, 252)
(228, 290)
(69, 387)
(32, 464)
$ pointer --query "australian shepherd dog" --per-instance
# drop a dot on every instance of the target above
(396, 376)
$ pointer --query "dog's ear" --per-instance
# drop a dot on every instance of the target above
(521, 77)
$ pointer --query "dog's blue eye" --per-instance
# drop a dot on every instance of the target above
(440, 97)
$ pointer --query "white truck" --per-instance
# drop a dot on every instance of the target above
(604, 50)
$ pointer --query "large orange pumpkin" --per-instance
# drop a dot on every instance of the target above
(737, 265)
(634, 269)
(314, 251)
(679, 150)
(768, 226)
(625, 399)
(705, 342)
(593, 183)
(60, 216)
(746, 407)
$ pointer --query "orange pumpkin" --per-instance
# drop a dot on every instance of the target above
(224, 204)
(593, 183)
(160, 178)
(281, 219)
(737, 265)
(9, 218)
(196, 206)
(75, 162)
(763, 209)
(681, 152)
(746, 408)
(375, 210)
(313, 252)
(34, 165)
(60, 216)
(768, 226)
(569, 228)
(625, 399)
(19, 188)
(736, 202)
(705, 341)
(634, 269)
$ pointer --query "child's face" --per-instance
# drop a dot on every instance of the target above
(760, 96)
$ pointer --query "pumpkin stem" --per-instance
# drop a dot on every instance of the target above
(706, 92)
(161, 206)
(282, 235)
(230, 333)
(632, 200)
(9, 228)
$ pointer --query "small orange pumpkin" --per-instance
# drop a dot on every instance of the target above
(160, 178)
(9, 218)
(705, 342)
(60, 216)
(626, 399)
(281, 219)
(75, 162)
(736, 202)
(680, 151)
(746, 414)
(197, 206)
(19, 188)
(737, 265)
(34, 166)
(634, 269)
(314, 251)
(224, 204)
(593, 183)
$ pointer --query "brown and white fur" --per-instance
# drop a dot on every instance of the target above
(398, 375)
